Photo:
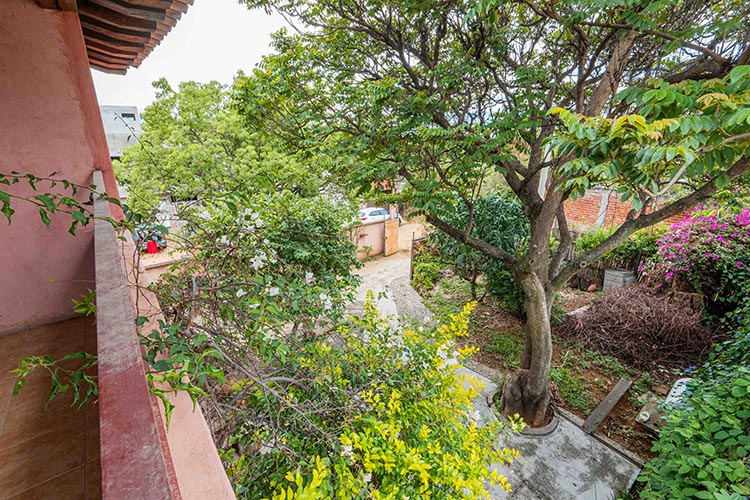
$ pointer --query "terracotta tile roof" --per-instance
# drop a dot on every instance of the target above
(120, 34)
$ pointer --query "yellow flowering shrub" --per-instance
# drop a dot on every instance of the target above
(404, 425)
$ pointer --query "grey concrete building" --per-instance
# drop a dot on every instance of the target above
(122, 124)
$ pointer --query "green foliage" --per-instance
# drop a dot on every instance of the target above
(572, 389)
(507, 345)
(704, 447)
(64, 197)
(448, 297)
(426, 269)
(178, 363)
(685, 132)
(86, 305)
(393, 419)
(64, 378)
(502, 285)
(426, 274)
(72, 371)
(593, 238)
(446, 95)
(498, 219)
(194, 145)
(641, 244)
(262, 262)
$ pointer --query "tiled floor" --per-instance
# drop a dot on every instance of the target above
(50, 452)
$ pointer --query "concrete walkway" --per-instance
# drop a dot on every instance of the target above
(566, 464)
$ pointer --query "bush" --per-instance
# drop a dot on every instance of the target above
(704, 447)
(499, 220)
(640, 245)
(426, 275)
(503, 287)
(642, 328)
(590, 239)
(385, 415)
(708, 252)
(427, 267)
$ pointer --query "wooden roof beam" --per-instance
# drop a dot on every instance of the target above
(116, 19)
(112, 43)
(102, 48)
(118, 69)
(123, 61)
(124, 35)
(130, 10)
(156, 4)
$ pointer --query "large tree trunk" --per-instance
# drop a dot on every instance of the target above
(526, 392)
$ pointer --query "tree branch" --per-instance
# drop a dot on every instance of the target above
(661, 34)
(631, 225)
(475, 243)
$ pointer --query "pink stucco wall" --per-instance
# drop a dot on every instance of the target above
(369, 239)
(49, 121)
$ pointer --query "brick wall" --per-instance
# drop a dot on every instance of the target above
(601, 207)
(584, 212)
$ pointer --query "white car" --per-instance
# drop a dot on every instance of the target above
(373, 214)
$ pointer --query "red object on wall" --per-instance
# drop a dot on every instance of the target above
(151, 247)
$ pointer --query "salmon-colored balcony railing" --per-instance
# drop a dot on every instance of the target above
(140, 457)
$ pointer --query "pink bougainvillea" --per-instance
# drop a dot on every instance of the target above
(706, 251)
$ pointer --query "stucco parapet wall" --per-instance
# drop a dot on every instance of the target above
(135, 464)
(192, 468)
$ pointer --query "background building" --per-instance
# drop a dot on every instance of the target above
(122, 126)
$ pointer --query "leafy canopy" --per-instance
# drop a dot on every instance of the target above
(194, 146)
(446, 95)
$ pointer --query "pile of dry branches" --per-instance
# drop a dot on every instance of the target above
(642, 328)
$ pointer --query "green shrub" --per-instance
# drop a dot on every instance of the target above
(498, 219)
(593, 238)
(426, 275)
(393, 418)
(641, 244)
(704, 448)
(504, 288)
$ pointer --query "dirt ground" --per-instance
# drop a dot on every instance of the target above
(584, 378)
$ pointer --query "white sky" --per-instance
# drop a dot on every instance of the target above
(214, 40)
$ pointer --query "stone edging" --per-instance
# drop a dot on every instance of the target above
(527, 431)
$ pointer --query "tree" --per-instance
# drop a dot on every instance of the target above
(195, 146)
(444, 93)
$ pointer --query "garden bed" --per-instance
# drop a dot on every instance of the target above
(581, 378)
